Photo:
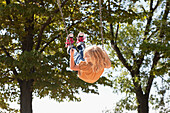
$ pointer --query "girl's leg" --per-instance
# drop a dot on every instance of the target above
(80, 43)
(77, 56)
(81, 48)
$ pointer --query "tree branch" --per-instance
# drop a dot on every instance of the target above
(139, 62)
(20, 2)
(8, 2)
(62, 4)
(151, 4)
(48, 43)
(79, 21)
(111, 30)
(41, 32)
(138, 88)
(12, 49)
(151, 77)
(165, 16)
(157, 54)
(131, 52)
(117, 31)
(45, 25)
(118, 52)
(120, 56)
(156, 5)
(8, 55)
(143, 9)
(149, 20)
(166, 10)
(5, 50)
(7, 78)
(147, 26)
(152, 34)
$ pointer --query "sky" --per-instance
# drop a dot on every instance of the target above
(90, 103)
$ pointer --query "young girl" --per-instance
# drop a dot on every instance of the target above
(89, 62)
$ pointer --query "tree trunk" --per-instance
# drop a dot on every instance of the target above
(143, 106)
(26, 96)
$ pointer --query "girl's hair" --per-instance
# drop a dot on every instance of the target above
(97, 57)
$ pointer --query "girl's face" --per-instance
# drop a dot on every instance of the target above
(87, 57)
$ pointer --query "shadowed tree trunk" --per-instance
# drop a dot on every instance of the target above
(26, 96)
(134, 69)
(143, 106)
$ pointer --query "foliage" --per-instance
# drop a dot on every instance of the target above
(140, 40)
(135, 32)
(32, 48)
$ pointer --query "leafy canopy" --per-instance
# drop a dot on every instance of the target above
(32, 47)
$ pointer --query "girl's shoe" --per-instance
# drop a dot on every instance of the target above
(80, 41)
(80, 37)
(69, 40)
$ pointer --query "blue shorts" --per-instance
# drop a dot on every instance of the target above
(78, 55)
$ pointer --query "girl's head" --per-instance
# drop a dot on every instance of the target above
(95, 55)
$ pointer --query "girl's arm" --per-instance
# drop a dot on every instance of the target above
(107, 60)
(72, 64)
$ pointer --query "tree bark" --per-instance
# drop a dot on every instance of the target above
(26, 96)
(143, 106)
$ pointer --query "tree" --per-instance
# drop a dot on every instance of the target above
(139, 34)
(32, 54)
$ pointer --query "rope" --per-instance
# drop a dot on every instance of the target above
(58, 2)
(100, 7)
